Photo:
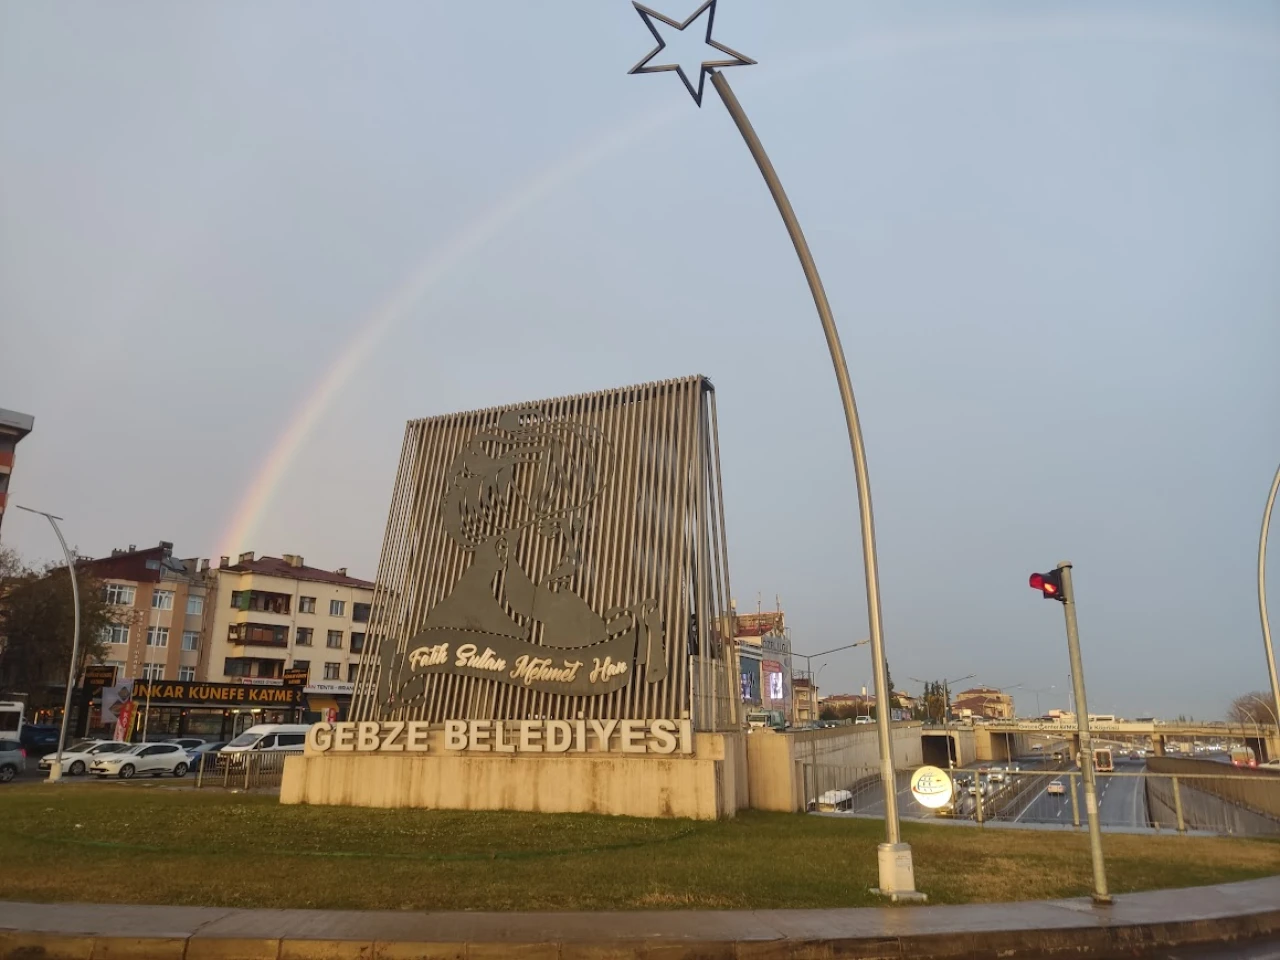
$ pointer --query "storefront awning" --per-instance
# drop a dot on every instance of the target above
(319, 703)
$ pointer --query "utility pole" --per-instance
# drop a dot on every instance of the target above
(1100, 894)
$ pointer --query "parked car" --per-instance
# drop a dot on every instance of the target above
(206, 753)
(77, 757)
(39, 738)
(186, 743)
(153, 758)
(13, 759)
(1056, 788)
(273, 737)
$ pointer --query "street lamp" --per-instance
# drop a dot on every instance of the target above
(1040, 691)
(1262, 598)
(55, 768)
(897, 875)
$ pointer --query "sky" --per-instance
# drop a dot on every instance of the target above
(242, 243)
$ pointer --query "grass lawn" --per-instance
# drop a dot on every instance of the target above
(152, 844)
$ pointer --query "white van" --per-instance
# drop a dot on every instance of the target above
(270, 737)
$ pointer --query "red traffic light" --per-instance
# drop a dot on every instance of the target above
(1049, 584)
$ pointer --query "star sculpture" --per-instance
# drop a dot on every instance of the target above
(709, 8)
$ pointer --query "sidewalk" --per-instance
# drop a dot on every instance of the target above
(1135, 923)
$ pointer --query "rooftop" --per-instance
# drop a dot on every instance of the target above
(11, 420)
(291, 567)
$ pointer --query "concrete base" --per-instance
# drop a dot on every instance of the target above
(709, 784)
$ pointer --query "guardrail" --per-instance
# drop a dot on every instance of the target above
(1048, 795)
(243, 771)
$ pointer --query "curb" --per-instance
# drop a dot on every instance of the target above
(1135, 925)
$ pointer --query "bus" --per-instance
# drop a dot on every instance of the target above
(1102, 761)
(11, 714)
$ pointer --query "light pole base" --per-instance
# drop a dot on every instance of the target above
(55, 772)
(897, 873)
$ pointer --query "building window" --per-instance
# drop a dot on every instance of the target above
(333, 671)
(337, 608)
(302, 665)
(186, 673)
(190, 639)
(258, 634)
(153, 671)
(116, 633)
(352, 670)
(357, 643)
(306, 604)
(304, 636)
(334, 640)
(162, 600)
(118, 594)
(360, 612)
(195, 606)
(157, 636)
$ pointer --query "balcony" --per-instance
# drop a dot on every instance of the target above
(258, 635)
(261, 601)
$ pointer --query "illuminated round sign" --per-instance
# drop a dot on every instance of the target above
(931, 787)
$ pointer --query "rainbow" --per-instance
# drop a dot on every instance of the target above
(441, 262)
(372, 328)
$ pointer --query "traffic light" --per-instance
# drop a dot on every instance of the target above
(1049, 584)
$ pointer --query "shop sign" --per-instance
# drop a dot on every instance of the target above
(506, 736)
(97, 676)
(229, 694)
(296, 677)
(332, 687)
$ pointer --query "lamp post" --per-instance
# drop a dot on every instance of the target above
(896, 872)
(1037, 693)
(55, 768)
(1265, 705)
(1262, 599)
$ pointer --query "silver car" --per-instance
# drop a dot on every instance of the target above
(13, 759)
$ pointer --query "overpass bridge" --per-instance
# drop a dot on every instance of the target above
(1263, 738)
(1000, 740)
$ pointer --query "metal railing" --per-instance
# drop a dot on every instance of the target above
(243, 771)
(1048, 795)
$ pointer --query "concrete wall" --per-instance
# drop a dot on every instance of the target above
(775, 760)
(710, 784)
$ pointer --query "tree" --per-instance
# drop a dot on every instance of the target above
(37, 624)
(888, 682)
(934, 704)
(1252, 708)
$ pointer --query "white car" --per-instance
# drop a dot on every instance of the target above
(152, 758)
(77, 757)
(1057, 788)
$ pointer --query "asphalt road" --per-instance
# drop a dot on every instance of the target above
(1122, 801)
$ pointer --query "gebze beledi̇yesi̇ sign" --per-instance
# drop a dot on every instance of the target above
(540, 554)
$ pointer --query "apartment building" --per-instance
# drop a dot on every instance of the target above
(273, 614)
(13, 427)
(163, 603)
(983, 702)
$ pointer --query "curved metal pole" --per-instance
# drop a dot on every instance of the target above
(55, 768)
(1274, 715)
(893, 833)
(1262, 598)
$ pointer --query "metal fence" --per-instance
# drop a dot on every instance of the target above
(243, 771)
(1045, 794)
